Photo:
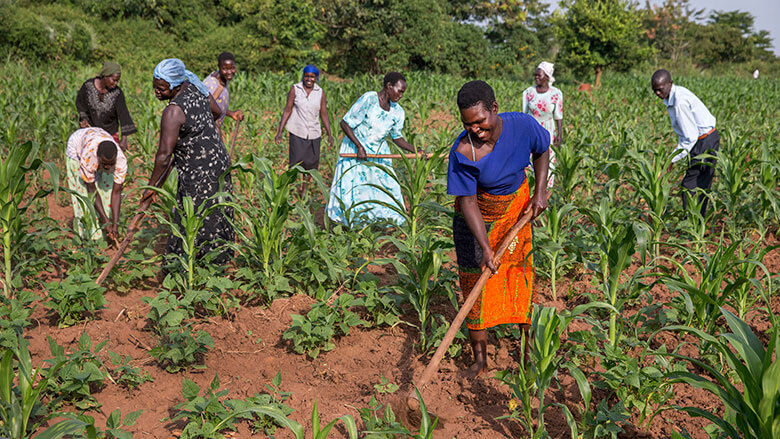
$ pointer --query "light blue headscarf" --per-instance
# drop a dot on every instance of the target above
(310, 68)
(172, 71)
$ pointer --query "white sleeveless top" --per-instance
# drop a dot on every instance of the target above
(304, 121)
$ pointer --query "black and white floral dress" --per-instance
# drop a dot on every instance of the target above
(201, 160)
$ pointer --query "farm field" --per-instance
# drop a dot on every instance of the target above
(634, 294)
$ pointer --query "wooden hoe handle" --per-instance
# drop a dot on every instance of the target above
(131, 229)
(433, 366)
(122, 247)
(235, 136)
(410, 155)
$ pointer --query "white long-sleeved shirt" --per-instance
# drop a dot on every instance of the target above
(690, 119)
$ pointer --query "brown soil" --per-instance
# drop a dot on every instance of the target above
(343, 380)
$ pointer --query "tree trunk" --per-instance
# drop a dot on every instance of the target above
(598, 77)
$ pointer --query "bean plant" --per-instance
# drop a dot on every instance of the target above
(22, 387)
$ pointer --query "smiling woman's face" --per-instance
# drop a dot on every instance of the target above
(480, 121)
(309, 79)
(540, 77)
(227, 69)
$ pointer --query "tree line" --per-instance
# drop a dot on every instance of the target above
(347, 37)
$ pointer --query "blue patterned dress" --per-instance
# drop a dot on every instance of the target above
(353, 179)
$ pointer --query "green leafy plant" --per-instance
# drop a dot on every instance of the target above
(385, 386)
(616, 241)
(733, 168)
(420, 276)
(192, 219)
(180, 347)
(388, 427)
(720, 278)
(414, 178)
(324, 256)
(274, 397)
(382, 308)
(74, 298)
(315, 332)
(114, 424)
(380, 426)
(322, 433)
(267, 215)
(551, 239)
(536, 374)
(168, 309)
(207, 417)
(21, 390)
(125, 374)
(211, 295)
(568, 170)
(73, 377)
(652, 185)
(15, 315)
(136, 266)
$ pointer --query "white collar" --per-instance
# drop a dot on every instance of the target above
(670, 101)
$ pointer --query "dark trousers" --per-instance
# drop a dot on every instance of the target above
(700, 171)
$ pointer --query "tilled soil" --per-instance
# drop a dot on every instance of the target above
(343, 380)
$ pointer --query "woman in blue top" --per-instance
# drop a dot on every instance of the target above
(487, 176)
(357, 185)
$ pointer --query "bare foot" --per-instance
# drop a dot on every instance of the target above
(474, 371)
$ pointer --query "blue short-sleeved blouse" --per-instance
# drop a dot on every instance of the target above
(502, 171)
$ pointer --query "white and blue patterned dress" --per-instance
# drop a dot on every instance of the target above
(353, 179)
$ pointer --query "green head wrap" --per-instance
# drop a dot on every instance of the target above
(109, 69)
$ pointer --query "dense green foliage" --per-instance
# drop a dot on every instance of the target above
(600, 34)
(345, 37)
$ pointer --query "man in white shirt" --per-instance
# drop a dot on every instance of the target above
(695, 128)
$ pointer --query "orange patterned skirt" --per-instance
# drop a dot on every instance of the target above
(507, 296)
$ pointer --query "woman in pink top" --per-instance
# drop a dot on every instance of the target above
(95, 165)
(217, 82)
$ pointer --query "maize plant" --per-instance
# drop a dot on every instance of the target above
(753, 411)
(267, 216)
(552, 238)
(537, 372)
(615, 240)
(414, 179)
(652, 184)
(186, 222)
(14, 201)
(719, 279)
(733, 169)
(21, 392)
(568, 170)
